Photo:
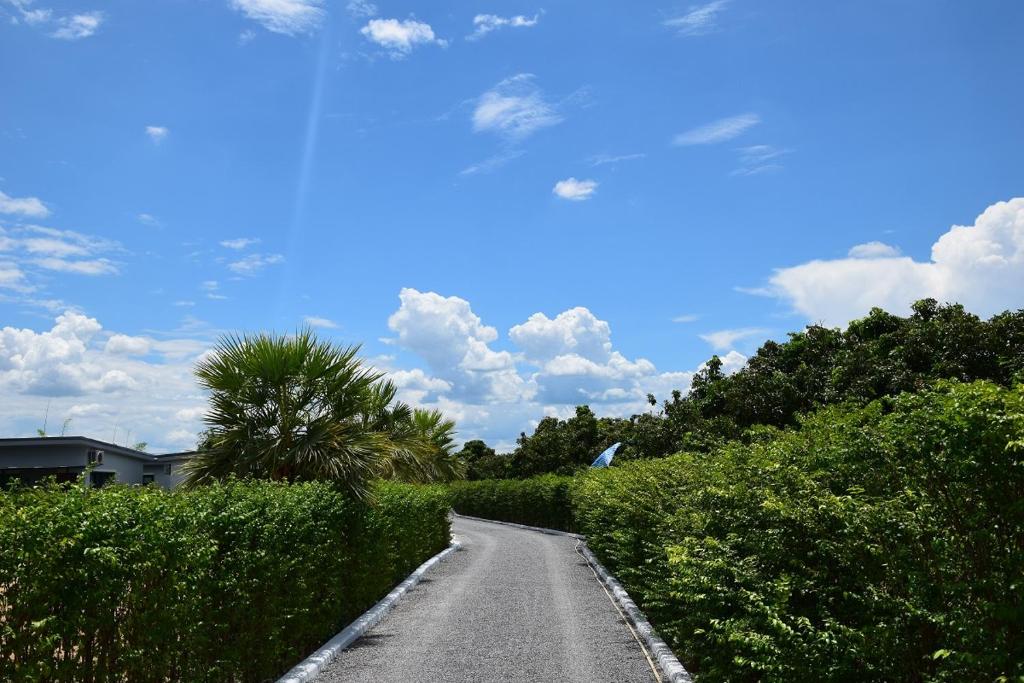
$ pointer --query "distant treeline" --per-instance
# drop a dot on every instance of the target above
(876, 356)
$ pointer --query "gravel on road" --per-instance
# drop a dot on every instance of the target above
(510, 605)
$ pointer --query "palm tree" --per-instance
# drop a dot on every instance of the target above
(296, 408)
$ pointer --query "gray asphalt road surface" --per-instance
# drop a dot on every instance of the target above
(511, 605)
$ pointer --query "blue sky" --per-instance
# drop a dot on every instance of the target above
(514, 207)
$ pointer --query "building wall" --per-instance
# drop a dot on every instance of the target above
(41, 457)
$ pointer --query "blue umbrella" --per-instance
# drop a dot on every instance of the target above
(605, 458)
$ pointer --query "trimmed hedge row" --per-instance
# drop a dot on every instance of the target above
(876, 544)
(233, 582)
(540, 501)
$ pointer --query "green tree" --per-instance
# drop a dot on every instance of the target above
(295, 408)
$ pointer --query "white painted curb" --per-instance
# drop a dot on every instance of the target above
(312, 665)
(669, 665)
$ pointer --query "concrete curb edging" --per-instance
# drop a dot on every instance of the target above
(669, 665)
(312, 665)
(671, 668)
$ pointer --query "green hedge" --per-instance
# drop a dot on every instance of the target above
(876, 544)
(233, 582)
(540, 501)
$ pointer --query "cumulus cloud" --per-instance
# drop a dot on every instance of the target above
(254, 263)
(699, 20)
(288, 17)
(485, 23)
(717, 131)
(78, 26)
(455, 343)
(31, 207)
(101, 381)
(515, 108)
(157, 133)
(575, 190)
(980, 266)
(400, 37)
(494, 394)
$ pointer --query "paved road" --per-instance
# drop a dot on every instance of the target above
(511, 605)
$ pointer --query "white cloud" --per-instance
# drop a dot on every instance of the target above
(575, 190)
(157, 133)
(78, 26)
(515, 108)
(726, 339)
(12, 277)
(757, 159)
(980, 266)
(102, 385)
(324, 323)
(485, 23)
(717, 131)
(873, 250)
(361, 8)
(566, 360)
(492, 163)
(32, 207)
(29, 16)
(455, 343)
(99, 266)
(686, 318)
(400, 37)
(288, 17)
(128, 345)
(148, 219)
(254, 263)
(239, 243)
(698, 20)
(602, 159)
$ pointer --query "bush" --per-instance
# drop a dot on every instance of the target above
(876, 543)
(232, 582)
(541, 501)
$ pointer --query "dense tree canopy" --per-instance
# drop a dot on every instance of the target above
(879, 355)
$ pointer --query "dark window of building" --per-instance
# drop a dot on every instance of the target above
(102, 478)
(148, 479)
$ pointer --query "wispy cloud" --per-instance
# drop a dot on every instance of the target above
(322, 323)
(100, 266)
(239, 243)
(699, 20)
(492, 163)
(288, 17)
(78, 26)
(254, 263)
(515, 108)
(485, 23)
(157, 133)
(148, 219)
(757, 159)
(717, 131)
(399, 38)
(32, 207)
(687, 318)
(361, 9)
(723, 340)
(575, 190)
(602, 159)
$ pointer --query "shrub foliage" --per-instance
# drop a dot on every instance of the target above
(884, 542)
(541, 501)
(228, 582)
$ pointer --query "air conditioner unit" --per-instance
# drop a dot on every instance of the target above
(95, 456)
